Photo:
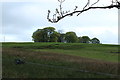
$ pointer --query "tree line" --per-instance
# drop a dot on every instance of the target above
(48, 34)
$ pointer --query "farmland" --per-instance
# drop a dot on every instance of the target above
(60, 60)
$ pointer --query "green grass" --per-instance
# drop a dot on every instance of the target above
(95, 51)
(105, 56)
(91, 57)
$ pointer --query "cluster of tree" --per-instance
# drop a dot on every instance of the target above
(49, 34)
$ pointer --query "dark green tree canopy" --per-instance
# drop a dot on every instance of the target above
(80, 40)
(71, 37)
(95, 41)
(48, 34)
(85, 39)
(37, 36)
(49, 30)
(61, 37)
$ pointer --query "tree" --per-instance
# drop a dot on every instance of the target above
(85, 39)
(71, 37)
(60, 14)
(54, 37)
(38, 36)
(61, 37)
(48, 31)
(95, 41)
(80, 39)
(47, 34)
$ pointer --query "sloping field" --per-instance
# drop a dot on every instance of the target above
(60, 60)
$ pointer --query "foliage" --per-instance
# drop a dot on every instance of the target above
(95, 41)
(84, 39)
(71, 37)
(80, 40)
(54, 37)
(61, 37)
(48, 34)
(37, 35)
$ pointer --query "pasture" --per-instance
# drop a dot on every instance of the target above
(60, 60)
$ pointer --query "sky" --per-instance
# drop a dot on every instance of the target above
(20, 18)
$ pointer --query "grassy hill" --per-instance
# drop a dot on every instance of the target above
(60, 60)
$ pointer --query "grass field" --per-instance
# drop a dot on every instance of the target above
(60, 60)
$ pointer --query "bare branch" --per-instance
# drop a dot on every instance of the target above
(86, 4)
(60, 14)
(95, 3)
(61, 1)
(75, 8)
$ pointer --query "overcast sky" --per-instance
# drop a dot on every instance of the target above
(21, 19)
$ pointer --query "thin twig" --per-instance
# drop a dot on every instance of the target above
(60, 14)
